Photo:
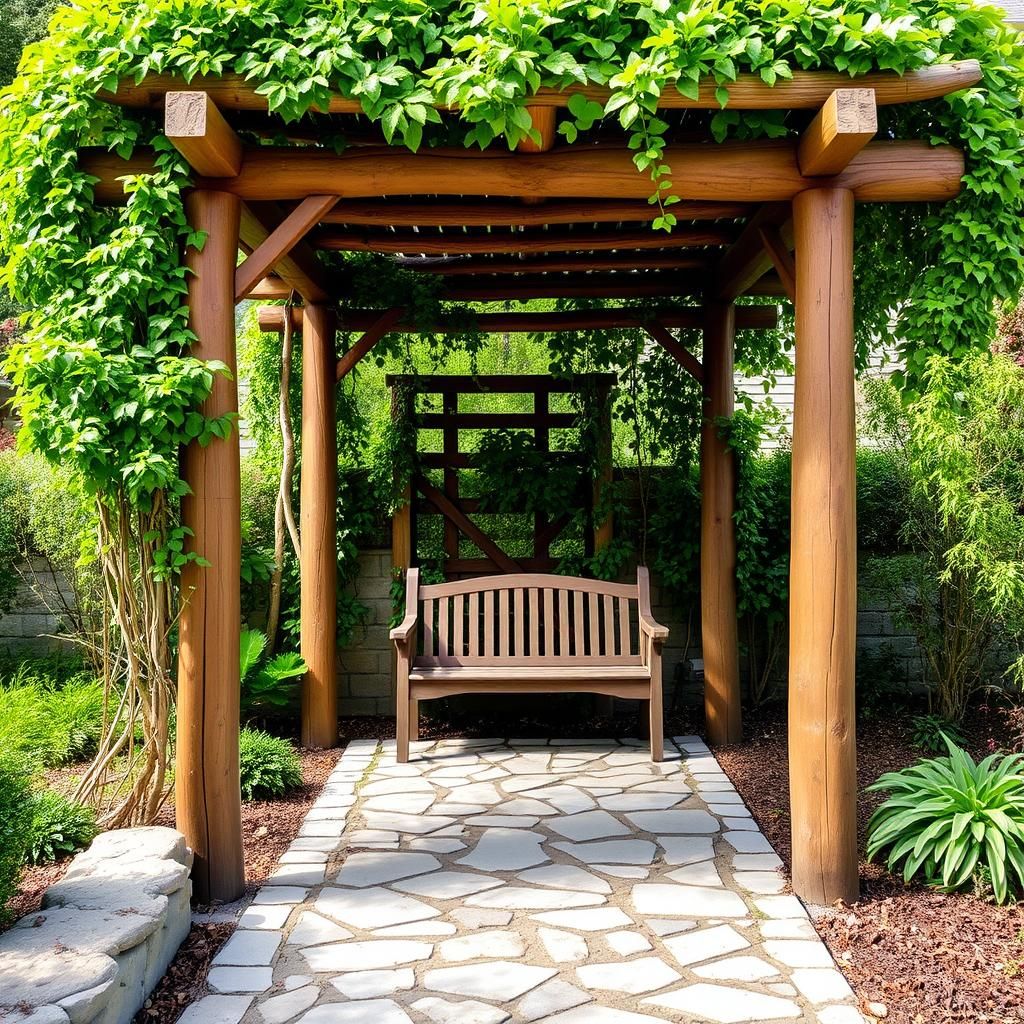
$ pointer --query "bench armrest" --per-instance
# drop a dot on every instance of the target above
(655, 630)
(649, 626)
(405, 630)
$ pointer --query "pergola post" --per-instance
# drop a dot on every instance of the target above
(823, 568)
(722, 709)
(318, 501)
(208, 801)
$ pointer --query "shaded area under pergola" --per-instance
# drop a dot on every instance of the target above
(762, 218)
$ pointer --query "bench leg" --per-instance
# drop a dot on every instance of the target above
(403, 704)
(657, 725)
(414, 719)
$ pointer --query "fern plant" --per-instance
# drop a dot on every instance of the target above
(271, 686)
(60, 827)
(269, 766)
(949, 818)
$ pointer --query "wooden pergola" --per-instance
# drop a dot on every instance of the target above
(545, 221)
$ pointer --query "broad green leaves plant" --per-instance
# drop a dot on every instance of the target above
(272, 685)
(949, 817)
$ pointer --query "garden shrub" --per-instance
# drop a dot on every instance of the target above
(15, 823)
(60, 827)
(930, 733)
(273, 685)
(949, 818)
(270, 766)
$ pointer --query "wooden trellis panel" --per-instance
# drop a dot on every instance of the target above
(424, 498)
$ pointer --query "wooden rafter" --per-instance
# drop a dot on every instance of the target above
(271, 318)
(383, 326)
(846, 123)
(675, 348)
(523, 242)
(805, 90)
(300, 270)
(280, 242)
(497, 213)
(758, 171)
(781, 257)
(623, 285)
(598, 261)
(198, 131)
(747, 260)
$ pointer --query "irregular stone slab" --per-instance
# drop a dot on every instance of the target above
(303, 857)
(278, 894)
(480, 793)
(822, 985)
(587, 825)
(368, 1011)
(521, 898)
(551, 997)
(454, 807)
(612, 851)
(669, 925)
(448, 885)
(313, 930)
(675, 785)
(765, 883)
(363, 869)
(417, 930)
(526, 805)
(526, 784)
(411, 823)
(792, 928)
(705, 944)
(372, 908)
(633, 977)
(216, 1010)
(627, 943)
(634, 801)
(686, 901)
(601, 1015)
(28, 978)
(436, 845)
(687, 849)
(386, 787)
(840, 1015)
(565, 876)
(748, 842)
(503, 820)
(506, 850)
(298, 874)
(279, 1009)
(799, 952)
(598, 919)
(596, 782)
(564, 947)
(371, 984)
(500, 980)
(674, 822)
(372, 955)
(240, 979)
(733, 810)
(567, 799)
(494, 944)
(727, 1005)
(468, 1011)
(622, 870)
(781, 907)
(739, 824)
(248, 949)
(702, 873)
(737, 968)
(756, 861)
(472, 917)
(400, 803)
(91, 931)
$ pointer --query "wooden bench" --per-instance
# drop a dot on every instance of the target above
(527, 633)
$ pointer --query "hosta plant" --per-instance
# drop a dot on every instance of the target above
(949, 818)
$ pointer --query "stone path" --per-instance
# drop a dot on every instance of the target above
(569, 882)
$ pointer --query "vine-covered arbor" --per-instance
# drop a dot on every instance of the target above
(757, 218)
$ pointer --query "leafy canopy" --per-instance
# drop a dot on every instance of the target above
(107, 385)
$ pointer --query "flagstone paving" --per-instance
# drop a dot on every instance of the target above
(526, 880)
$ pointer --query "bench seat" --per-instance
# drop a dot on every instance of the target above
(527, 633)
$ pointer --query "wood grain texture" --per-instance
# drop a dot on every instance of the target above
(747, 260)
(722, 709)
(846, 123)
(198, 131)
(778, 251)
(207, 797)
(475, 267)
(279, 243)
(748, 172)
(806, 90)
(299, 267)
(319, 562)
(823, 565)
(545, 123)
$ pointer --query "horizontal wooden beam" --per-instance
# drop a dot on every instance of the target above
(846, 123)
(470, 267)
(497, 383)
(279, 243)
(675, 348)
(758, 171)
(504, 214)
(198, 131)
(598, 285)
(747, 261)
(299, 269)
(806, 90)
(534, 242)
(271, 318)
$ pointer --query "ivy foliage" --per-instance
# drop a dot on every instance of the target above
(106, 382)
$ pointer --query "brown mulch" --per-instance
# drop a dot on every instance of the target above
(928, 957)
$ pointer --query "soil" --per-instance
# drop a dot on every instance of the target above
(927, 957)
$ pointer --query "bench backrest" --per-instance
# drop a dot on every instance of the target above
(528, 619)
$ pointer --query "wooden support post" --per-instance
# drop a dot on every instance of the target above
(402, 522)
(207, 798)
(318, 497)
(722, 708)
(823, 568)
(846, 123)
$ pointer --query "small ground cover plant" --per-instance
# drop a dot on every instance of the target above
(950, 819)
(60, 827)
(269, 765)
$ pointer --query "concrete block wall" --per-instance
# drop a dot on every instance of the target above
(31, 626)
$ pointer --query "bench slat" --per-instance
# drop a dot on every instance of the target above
(459, 626)
(595, 626)
(489, 636)
(474, 625)
(518, 624)
(563, 623)
(577, 607)
(534, 624)
(624, 644)
(549, 622)
(428, 628)
(504, 650)
(442, 627)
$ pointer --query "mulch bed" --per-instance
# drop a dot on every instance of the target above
(927, 957)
